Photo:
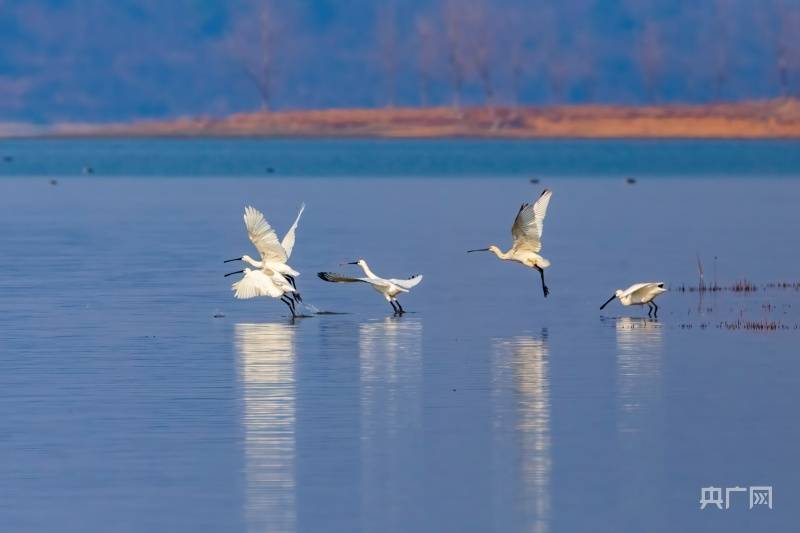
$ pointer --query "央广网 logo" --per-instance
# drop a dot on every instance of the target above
(759, 495)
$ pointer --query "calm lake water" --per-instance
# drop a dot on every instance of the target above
(138, 395)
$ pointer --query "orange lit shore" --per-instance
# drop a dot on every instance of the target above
(745, 120)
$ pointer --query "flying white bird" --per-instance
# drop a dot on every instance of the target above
(274, 254)
(639, 294)
(389, 288)
(264, 282)
(527, 235)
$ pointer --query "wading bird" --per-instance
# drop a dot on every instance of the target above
(274, 254)
(389, 288)
(264, 282)
(639, 294)
(527, 236)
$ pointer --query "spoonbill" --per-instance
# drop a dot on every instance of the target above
(389, 288)
(527, 235)
(274, 254)
(264, 282)
(639, 294)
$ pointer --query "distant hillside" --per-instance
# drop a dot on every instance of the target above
(768, 119)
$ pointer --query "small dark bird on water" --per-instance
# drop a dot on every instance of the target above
(53, 182)
(534, 180)
(630, 181)
(88, 170)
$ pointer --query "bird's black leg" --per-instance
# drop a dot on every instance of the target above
(295, 295)
(655, 309)
(400, 307)
(290, 304)
(393, 306)
(544, 287)
(650, 310)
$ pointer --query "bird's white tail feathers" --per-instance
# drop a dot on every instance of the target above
(542, 262)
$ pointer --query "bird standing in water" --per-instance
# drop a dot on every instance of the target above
(639, 294)
(527, 236)
(389, 288)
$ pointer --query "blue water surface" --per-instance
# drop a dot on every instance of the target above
(371, 158)
(138, 395)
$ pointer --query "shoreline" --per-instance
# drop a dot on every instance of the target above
(769, 119)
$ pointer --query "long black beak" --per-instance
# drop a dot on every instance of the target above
(608, 301)
(232, 273)
(479, 250)
(234, 259)
(353, 263)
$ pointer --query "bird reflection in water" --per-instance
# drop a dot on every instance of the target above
(265, 365)
(638, 368)
(390, 353)
(639, 417)
(521, 400)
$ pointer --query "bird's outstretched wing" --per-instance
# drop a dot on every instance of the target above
(288, 240)
(263, 236)
(409, 283)
(527, 228)
(254, 284)
(640, 286)
(341, 278)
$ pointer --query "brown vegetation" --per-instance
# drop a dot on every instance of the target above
(767, 119)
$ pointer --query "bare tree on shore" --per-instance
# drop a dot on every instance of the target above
(518, 61)
(787, 45)
(651, 60)
(426, 57)
(386, 30)
(454, 44)
(551, 53)
(480, 47)
(515, 43)
(252, 45)
(723, 21)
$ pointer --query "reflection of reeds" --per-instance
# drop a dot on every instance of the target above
(747, 325)
(755, 325)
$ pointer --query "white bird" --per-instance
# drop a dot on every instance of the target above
(389, 288)
(639, 294)
(274, 254)
(527, 235)
(264, 282)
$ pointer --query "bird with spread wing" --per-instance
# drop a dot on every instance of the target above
(389, 288)
(639, 294)
(274, 254)
(264, 282)
(527, 236)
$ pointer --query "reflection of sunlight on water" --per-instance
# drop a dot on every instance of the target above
(520, 369)
(266, 372)
(639, 420)
(391, 421)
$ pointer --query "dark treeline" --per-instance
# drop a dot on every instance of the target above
(90, 60)
(506, 52)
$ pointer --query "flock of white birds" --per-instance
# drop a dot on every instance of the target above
(273, 277)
